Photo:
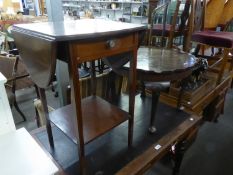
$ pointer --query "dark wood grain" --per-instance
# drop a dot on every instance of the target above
(98, 117)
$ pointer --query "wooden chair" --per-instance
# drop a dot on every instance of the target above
(176, 26)
(217, 62)
(17, 78)
(215, 17)
(214, 39)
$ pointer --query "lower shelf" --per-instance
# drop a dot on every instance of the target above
(99, 116)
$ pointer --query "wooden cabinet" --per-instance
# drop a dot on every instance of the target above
(6, 118)
(20, 154)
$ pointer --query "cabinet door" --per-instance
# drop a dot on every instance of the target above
(6, 118)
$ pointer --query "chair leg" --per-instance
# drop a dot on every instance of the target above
(154, 104)
(19, 111)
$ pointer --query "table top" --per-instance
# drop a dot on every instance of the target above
(78, 29)
(47, 40)
(156, 64)
(164, 60)
(20, 154)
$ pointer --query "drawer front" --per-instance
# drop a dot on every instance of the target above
(98, 49)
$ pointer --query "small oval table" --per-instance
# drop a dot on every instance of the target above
(157, 66)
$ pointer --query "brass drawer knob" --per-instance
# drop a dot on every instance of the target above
(111, 44)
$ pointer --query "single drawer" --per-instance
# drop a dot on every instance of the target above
(97, 49)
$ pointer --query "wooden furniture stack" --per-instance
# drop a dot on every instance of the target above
(209, 98)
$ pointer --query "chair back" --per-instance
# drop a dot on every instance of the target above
(156, 14)
(198, 15)
(6, 66)
(227, 15)
(196, 21)
(172, 17)
(185, 15)
(15, 72)
(213, 13)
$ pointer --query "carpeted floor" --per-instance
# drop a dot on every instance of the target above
(211, 153)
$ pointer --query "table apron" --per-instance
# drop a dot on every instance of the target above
(89, 51)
